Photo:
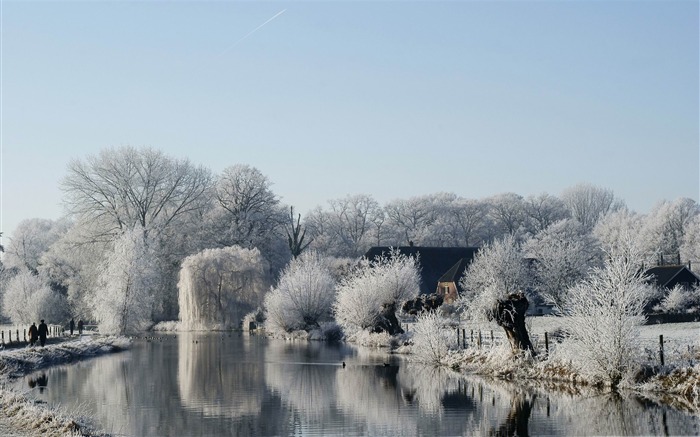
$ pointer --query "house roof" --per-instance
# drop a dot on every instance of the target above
(663, 276)
(434, 261)
(456, 271)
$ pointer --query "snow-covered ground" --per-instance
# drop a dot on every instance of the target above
(21, 416)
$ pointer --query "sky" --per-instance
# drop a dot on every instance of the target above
(329, 98)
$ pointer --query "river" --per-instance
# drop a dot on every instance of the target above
(220, 384)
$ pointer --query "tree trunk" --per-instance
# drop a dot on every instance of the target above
(387, 321)
(509, 314)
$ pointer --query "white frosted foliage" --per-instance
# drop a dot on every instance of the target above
(303, 296)
(388, 280)
(606, 311)
(123, 302)
(218, 287)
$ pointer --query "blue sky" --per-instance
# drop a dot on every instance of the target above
(389, 98)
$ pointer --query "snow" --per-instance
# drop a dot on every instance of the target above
(20, 416)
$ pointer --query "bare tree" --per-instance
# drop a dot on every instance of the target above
(296, 235)
(506, 212)
(248, 213)
(542, 211)
(123, 187)
(588, 203)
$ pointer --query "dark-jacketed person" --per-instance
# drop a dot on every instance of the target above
(43, 332)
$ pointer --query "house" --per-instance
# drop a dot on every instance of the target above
(441, 267)
(448, 284)
(670, 276)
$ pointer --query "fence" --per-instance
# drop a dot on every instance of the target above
(655, 351)
(19, 334)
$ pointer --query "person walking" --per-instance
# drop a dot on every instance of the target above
(33, 334)
(80, 327)
(43, 331)
(71, 326)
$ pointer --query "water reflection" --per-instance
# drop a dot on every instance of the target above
(40, 381)
(210, 385)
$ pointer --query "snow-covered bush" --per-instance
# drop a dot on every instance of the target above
(680, 300)
(374, 286)
(28, 298)
(218, 287)
(606, 311)
(303, 296)
(123, 302)
(432, 339)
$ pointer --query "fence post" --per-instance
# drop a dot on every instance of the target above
(546, 343)
(457, 336)
(464, 338)
(479, 338)
(661, 348)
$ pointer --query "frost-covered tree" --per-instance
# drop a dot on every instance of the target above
(125, 187)
(506, 212)
(30, 240)
(466, 220)
(247, 212)
(690, 249)
(348, 228)
(123, 302)
(75, 267)
(303, 296)
(120, 188)
(666, 225)
(494, 290)
(28, 298)
(218, 287)
(369, 296)
(606, 311)
(561, 256)
(432, 338)
(410, 220)
(588, 203)
(542, 211)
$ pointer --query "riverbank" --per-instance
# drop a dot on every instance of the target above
(676, 382)
(20, 416)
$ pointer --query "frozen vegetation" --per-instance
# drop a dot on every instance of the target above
(22, 416)
(155, 242)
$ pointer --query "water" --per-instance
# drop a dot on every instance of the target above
(215, 385)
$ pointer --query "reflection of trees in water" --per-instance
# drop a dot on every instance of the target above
(211, 384)
(304, 377)
(616, 413)
(370, 394)
(504, 408)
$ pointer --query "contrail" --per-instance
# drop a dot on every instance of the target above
(254, 30)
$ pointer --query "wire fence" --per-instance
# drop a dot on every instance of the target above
(655, 350)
